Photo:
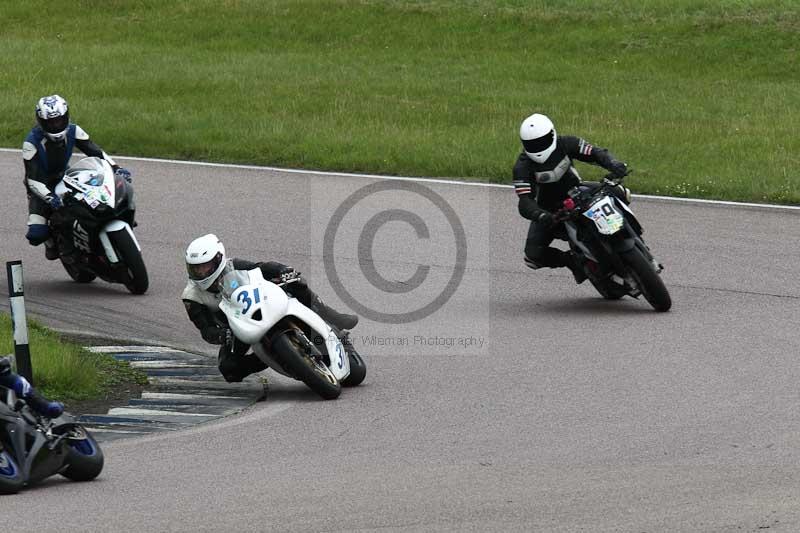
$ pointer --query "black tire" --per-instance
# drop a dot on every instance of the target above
(358, 369)
(11, 481)
(78, 274)
(84, 456)
(649, 281)
(136, 279)
(302, 359)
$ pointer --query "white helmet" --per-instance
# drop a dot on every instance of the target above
(52, 114)
(538, 136)
(205, 260)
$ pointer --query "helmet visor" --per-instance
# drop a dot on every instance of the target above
(540, 144)
(203, 270)
(55, 124)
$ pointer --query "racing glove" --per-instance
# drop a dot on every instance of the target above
(546, 219)
(123, 173)
(55, 202)
(618, 169)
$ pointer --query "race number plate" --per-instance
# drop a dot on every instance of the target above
(607, 219)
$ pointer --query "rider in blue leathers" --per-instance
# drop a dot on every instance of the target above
(46, 152)
(23, 389)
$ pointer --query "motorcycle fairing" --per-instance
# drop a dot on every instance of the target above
(93, 178)
(255, 305)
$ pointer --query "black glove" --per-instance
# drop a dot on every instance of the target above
(618, 169)
(215, 334)
(546, 220)
(287, 274)
(5, 366)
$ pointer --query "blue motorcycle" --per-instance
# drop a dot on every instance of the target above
(33, 447)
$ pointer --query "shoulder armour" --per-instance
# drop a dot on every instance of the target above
(80, 134)
(28, 150)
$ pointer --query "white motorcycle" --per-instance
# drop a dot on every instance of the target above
(100, 208)
(288, 336)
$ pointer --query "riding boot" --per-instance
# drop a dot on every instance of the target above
(43, 406)
(330, 315)
(50, 250)
(577, 268)
(67, 245)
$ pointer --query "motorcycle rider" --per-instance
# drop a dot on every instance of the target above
(206, 263)
(543, 174)
(24, 390)
(46, 152)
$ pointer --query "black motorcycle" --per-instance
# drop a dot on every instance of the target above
(99, 208)
(33, 448)
(606, 237)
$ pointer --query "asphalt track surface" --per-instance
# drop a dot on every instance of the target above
(575, 414)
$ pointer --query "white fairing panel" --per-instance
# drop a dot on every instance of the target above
(90, 180)
(111, 227)
(340, 363)
(255, 305)
(254, 308)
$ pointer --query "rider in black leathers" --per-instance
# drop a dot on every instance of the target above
(543, 174)
(202, 295)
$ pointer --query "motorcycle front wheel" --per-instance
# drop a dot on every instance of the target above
(649, 281)
(84, 456)
(303, 360)
(137, 281)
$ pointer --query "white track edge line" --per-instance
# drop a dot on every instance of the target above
(429, 180)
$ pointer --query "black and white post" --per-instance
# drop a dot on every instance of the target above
(19, 321)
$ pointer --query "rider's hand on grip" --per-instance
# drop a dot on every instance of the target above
(287, 275)
(55, 202)
(618, 169)
(123, 173)
(546, 219)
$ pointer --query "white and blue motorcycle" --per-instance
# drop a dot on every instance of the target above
(288, 336)
(99, 206)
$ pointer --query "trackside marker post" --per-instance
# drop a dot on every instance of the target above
(19, 322)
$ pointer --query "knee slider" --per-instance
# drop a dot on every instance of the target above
(37, 234)
(230, 371)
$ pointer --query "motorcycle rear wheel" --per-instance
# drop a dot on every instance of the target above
(11, 481)
(131, 257)
(649, 281)
(78, 274)
(304, 360)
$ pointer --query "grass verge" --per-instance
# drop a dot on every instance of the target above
(699, 96)
(66, 371)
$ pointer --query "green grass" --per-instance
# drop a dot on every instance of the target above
(701, 97)
(66, 371)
